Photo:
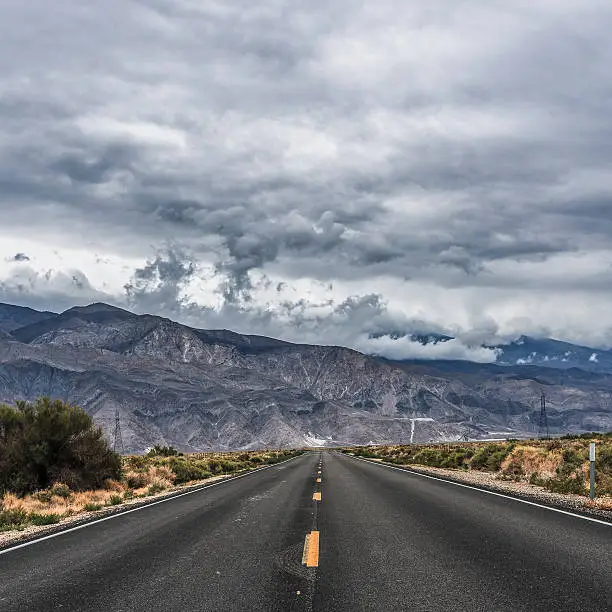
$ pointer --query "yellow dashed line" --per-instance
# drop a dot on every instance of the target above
(319, 472)
(317, 496)
(310, 558)
(318, 480)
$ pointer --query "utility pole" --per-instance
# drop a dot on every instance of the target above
(592, 470)
(543, 425)
(117, 437)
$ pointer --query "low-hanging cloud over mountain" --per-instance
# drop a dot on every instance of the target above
(344, 174)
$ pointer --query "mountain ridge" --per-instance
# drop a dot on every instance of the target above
(216, 389)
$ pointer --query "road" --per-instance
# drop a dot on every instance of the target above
(379, 539)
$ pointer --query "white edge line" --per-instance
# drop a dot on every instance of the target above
(143, 507)
(459, 484)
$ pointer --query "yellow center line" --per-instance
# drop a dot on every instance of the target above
(310, 558)
(318, 480)
(319, 472)
(317, 496)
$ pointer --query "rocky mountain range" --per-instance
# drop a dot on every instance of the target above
(215, 389)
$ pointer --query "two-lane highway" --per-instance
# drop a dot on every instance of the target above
(320, 532)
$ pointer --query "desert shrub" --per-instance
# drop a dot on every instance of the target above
(214, 466)
(456, 460)
(115, 500)
(50, 441)
(529, 459)
(185, 471)
(566, 485)
(92, 507)
(163, 451)
(136, 462)
(43, 519)
(430, 457)
(60, 489)
(227, 467)
(110, 484)
(13, 519)
(536, 479)
(490, 457)
(603, 459)
(45, 496)
(136, 480)
(156, 487)
(364, 452)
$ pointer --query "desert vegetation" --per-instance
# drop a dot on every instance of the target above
(55, 463)
(559, 465)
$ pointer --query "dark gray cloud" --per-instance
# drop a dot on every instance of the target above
(158, 286)
(20, 257)
(451, 160)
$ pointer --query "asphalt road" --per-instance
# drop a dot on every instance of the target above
(388, 540)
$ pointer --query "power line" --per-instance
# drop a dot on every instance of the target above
(543, 424)
(117, 437)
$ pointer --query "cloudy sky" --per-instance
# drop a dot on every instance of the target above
(326, 172)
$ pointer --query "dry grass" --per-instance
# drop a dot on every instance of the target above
(142, 477)
(601, 503)
(530, 459)
(559, 465)
(60, 506)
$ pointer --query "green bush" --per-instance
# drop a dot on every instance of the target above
(155, 488)
(430, 457)
(44, 496)
(163, 451)
(91, 507)
(456, 460)
(13, 519)
(566, 485)
(490, 457)
(115, 500)
(603, 459)
(43, 519)
(60, 489)
(49, 441)
(185, 470)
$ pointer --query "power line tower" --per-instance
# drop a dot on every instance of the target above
(117, 437)
(543, 424)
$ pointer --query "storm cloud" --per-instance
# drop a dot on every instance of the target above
(344, 174)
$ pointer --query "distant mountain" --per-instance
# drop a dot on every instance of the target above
(13, 317)
(554, 354)
(216, 389)
(546, 352)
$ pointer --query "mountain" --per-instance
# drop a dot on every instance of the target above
(554, 354)
(526, 350)
(13, 317)
(215, 389)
